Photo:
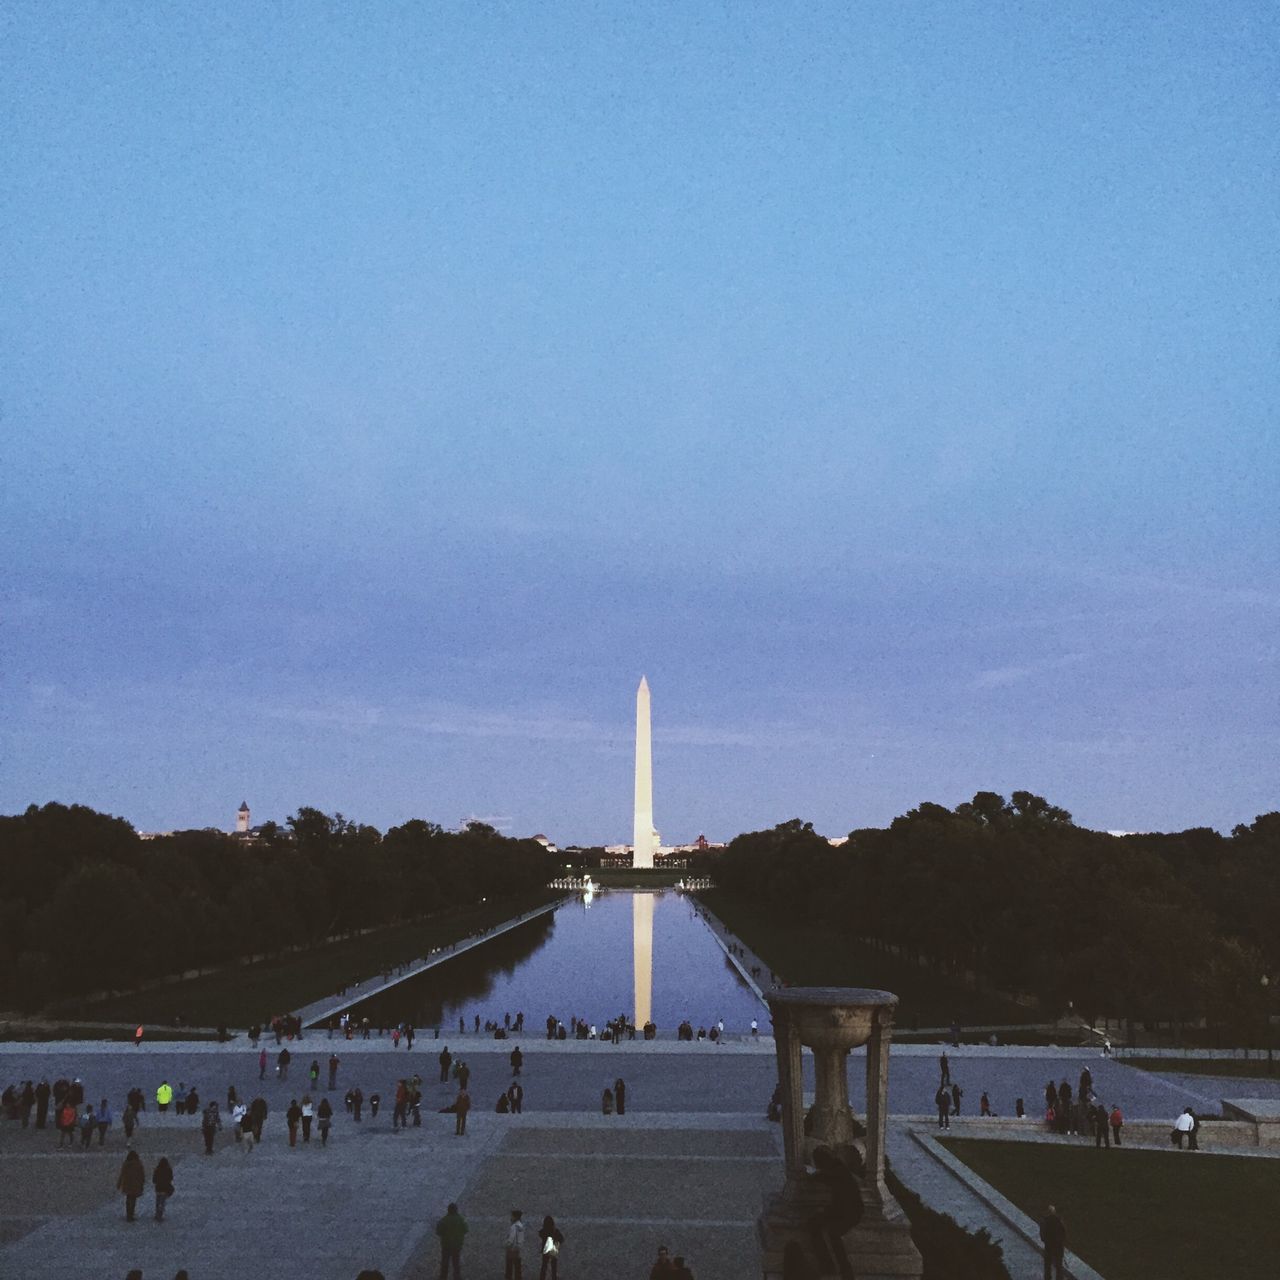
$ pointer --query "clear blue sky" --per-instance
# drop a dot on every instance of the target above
(386, 387)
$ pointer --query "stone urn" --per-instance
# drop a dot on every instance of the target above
(830, 1021)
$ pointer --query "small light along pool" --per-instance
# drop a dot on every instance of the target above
(648, 955)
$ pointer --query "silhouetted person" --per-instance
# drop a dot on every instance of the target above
(131, 1183)
(843, 1210)
(1053, 1235)
(452, 1230)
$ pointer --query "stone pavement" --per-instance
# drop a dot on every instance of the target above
(687, 1166)
(665, 1074)
(619, 1187)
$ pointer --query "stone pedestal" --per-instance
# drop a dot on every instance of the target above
(830, 1021)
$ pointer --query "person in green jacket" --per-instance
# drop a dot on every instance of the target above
(452, 1230)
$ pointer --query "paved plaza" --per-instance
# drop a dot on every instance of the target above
(687, 1166)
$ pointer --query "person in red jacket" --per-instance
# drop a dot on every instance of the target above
(1117, 1123)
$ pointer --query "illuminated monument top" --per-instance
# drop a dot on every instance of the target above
(643, 834)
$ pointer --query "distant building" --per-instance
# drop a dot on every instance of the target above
(700, 845)
(242, 819)
(546, 844)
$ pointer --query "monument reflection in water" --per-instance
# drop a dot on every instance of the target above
(642, 955)
(645, 954)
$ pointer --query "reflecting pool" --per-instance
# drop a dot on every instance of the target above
(649, 955)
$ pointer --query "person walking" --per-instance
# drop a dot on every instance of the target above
(103, 1120)
(313, 1074)
(262, 1065)
(293, 1118)
(131, 1182)
(452, 1230)
(162, 1183)
(164, 1095)
(307, 1114)
(66, 1121)
(620, 1096)
(1053, 1235)
(515, 1097)
(257, 1117)
(517, 1060)
(461, 1106)
(945, 1067)
(1117, 1123)
(88, 1122)
(513, 1261)
(283, 1058)
(334, 1062)
(1101, 1128)
(552, 1238)
(446, 1060)
(943, 1100)
(325, 1118)
(956, 1094)
(210, 1123)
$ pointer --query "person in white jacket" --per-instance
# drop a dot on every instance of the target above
(514, 1263)
(1185, 1126)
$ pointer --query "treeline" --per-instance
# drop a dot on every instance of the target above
(1014, 895)
(87, 905)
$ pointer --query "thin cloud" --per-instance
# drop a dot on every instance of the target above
(468, 722)
(1003, 677)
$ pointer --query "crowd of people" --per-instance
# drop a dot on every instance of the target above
(1070, 1112)
(350, 1026)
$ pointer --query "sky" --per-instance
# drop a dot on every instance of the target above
(385, 388)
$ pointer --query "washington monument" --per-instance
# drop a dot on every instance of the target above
(642, 834)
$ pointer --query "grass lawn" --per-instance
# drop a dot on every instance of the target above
(1246, 1068)
(248, 993)
(809, 956)
(1138, 1215)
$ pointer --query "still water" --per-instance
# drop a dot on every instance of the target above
(648, 955)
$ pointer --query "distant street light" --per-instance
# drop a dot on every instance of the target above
(1266, 1013)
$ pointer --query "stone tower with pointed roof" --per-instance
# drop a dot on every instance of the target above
(242, 819)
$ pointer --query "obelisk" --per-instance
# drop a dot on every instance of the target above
(642, 832)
